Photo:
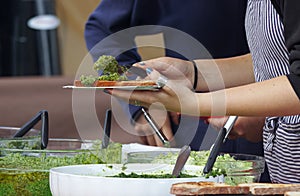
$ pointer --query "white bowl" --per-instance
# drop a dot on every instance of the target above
(94, 180)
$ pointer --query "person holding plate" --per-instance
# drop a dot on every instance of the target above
(218, 25)
(273, 35)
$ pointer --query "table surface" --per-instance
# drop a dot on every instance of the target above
(23, 97)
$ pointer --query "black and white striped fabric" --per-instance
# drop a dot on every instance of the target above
(271, 59)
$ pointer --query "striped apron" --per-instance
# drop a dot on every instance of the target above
(270, 58)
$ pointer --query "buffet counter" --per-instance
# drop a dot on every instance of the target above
(23, 97)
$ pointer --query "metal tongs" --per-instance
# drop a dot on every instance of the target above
(156, 129)
(221, 138)
(43, 116)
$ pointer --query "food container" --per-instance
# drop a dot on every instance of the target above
(31, 140)
(26, 171)
(242, 168)
(237, 168)
(104, 180)
(152, 156)
(129, 150)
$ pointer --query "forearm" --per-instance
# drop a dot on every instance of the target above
(100, 29)
(224, 73)
(273, 97)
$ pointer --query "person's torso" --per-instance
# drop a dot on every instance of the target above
(264, 31)
(217, 24)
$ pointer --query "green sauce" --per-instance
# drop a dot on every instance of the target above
(32, 142)
(111, 71)
(113, 77)
(135, 175)
(107, 64)
(88, 80)
(27, 172)
(24, 183)
(234, 171)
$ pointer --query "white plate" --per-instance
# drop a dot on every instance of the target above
(155, 87)
(90, 180)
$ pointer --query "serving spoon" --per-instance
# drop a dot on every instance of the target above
(181, 160)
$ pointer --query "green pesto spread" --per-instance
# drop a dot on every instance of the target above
(111, 71)
(226, 165)
(113, 77)
(135, 175)
(106, 63)
(27, 173)
(88, 80)
(29, 143)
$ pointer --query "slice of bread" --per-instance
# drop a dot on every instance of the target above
(292, 193)
(212, 188)
(271, 188)
(104, 83)
(207, 188)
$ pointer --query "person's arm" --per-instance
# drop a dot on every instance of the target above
(224, 73)
(103, 24)
(213, 74)
(274, 97)
(109, 18)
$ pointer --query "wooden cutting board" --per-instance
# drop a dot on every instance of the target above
(211, 188)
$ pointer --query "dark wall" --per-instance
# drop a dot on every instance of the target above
(5, 32)
(22, 49)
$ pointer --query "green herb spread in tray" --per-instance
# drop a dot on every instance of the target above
(235, 171)
(135, 175)
(111, 71)
(27, 175)
(27, 172)
(32, 142)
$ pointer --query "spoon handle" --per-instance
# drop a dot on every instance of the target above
(181, 160)
(107, 129)
(155, 127)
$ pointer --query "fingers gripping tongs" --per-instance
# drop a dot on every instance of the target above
(221, 138)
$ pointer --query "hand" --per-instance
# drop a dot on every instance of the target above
(250, 128)
(173, 97)
(178, 70)
(163, 119)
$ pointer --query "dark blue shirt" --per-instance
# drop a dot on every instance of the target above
(217, 24)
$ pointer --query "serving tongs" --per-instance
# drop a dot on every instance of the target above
(43, 116)
(106, 130)
(156, 128)
(221, 138)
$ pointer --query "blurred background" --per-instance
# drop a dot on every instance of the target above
(38, 57)
(24, 50)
